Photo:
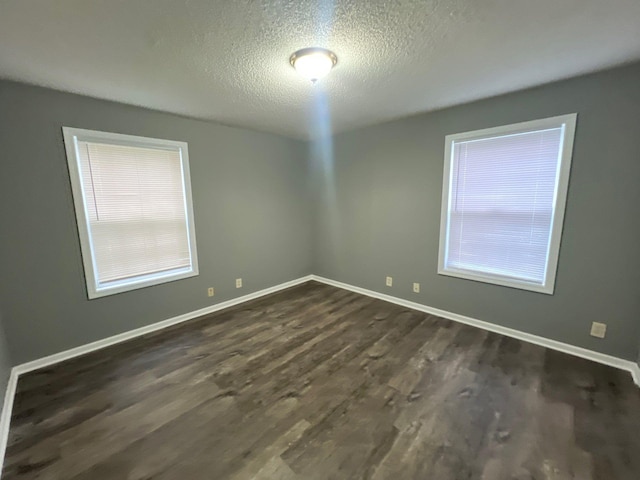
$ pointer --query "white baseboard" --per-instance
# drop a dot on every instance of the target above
(635, 373)
(122, 337)
(5, 417)
(598, 357)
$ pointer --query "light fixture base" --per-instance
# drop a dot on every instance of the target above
(313, 62)
(303, 52)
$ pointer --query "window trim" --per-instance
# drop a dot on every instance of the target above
(94, 290)
(548, 286)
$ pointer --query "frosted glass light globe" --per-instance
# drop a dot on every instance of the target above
(313, 63)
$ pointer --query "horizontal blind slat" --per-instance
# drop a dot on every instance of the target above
(135, 203)
(501, 204)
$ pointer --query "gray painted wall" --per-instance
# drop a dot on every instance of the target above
(374, 197)
(251, 214)
(378, 212)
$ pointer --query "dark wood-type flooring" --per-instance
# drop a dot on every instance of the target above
(320, 383)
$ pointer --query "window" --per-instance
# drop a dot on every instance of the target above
(132, 199)
(503, 203)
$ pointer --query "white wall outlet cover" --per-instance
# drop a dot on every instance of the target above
(238, 282)
(389, 281)
(210, 291)
(598, 330)
(416, 288)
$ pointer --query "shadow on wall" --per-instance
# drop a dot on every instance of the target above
(5, 360)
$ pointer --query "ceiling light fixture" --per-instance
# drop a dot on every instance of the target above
(313, 63)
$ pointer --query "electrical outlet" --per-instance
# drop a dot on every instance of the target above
(416, 288)
(389, 281)
(238, 283)
(598, 329)
(210, 291)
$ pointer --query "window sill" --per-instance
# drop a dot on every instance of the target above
(141, 282)
(497, 280)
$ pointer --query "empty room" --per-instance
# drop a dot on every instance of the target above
(320, 239)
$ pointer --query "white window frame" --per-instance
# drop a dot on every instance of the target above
(568, 123)
(71, 138)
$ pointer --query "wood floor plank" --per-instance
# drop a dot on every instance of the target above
(320, 383)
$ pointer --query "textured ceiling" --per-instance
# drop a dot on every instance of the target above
(228, 60)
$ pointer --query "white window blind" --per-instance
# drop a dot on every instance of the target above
(135, 210)
(500, 213)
